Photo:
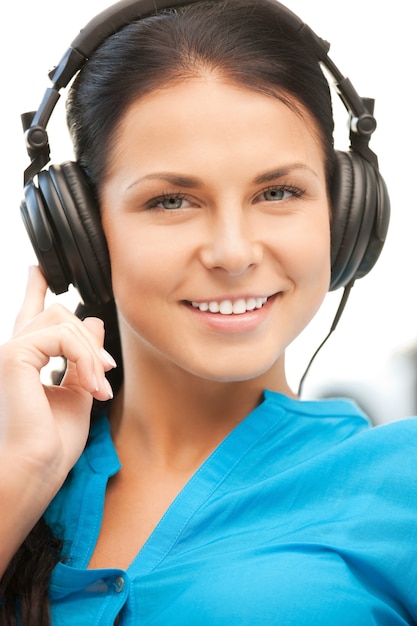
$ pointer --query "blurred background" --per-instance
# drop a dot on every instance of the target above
(372, 355)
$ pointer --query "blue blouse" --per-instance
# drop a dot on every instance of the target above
(303, 515)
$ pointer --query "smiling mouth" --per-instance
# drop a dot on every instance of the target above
(230, 307)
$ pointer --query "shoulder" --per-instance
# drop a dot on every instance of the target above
(337, 437)
(392, 440)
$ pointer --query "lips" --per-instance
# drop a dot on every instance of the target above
(231, 307)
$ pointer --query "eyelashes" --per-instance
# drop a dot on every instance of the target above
(175, 201)
(281, 193)
(169, 202)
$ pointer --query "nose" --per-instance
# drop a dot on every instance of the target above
(232, 244)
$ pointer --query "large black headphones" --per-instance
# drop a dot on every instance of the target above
(63, 222)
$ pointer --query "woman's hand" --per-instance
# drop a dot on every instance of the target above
(48, 423)
(44, 428)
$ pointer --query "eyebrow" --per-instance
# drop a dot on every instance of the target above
(174, 179)
(280, 172)
(189, 182)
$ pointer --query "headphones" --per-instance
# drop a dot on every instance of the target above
(63, 221)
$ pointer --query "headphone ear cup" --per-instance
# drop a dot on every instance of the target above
(360, 218)
(42, 237)
(379, 233)
(84, 218)
(71, 216)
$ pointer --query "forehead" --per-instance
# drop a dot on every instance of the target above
(208, 113)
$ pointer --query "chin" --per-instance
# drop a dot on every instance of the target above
(236, 374)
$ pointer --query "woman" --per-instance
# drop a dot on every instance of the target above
(203, 491)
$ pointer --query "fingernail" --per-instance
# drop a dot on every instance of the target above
(95, 384)
(108, 357)
(30, 270)
(108, 389)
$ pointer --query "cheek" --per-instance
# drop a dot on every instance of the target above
(305, 253)
(143, 263)
(313, 261)
(309, 272)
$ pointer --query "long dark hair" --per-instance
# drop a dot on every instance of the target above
(242, 40)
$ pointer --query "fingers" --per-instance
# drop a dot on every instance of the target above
(87, 362)
(34, 299)
(91, 372)
(96, 326)
(42, 334)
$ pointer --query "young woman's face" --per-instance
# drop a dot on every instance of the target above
(217, 220)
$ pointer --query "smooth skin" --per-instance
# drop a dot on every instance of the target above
(214, 194)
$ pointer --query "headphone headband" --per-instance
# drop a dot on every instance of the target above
(118, 15)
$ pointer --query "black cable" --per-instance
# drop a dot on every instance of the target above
(337, 317)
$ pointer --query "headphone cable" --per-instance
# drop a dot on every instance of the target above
(336, 319)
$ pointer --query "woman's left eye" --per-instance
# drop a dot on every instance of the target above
(169, 202)
(278, 194)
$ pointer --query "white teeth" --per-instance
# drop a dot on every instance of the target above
(250, 304)
(226, 307)
(239, 306)
(229, 307)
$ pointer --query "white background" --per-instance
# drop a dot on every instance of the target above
(373, 43)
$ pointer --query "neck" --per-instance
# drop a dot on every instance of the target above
(172, 418)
